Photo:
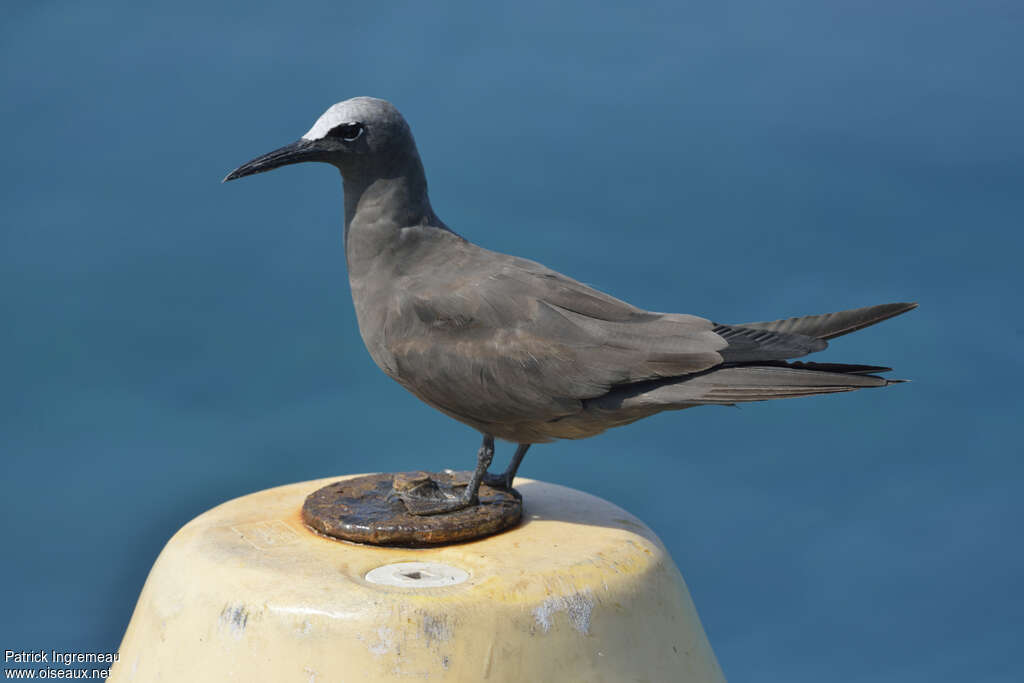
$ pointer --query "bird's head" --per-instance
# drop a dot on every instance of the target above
(364, 137)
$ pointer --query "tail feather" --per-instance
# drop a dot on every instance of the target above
(830, 325)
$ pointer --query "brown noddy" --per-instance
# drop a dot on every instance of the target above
(516, 350)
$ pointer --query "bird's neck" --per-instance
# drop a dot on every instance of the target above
(376, 210)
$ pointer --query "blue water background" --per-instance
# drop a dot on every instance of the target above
(170, 342)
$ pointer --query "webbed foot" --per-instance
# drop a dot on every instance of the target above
(423, 495)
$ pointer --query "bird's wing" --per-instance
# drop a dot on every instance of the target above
(504, 339)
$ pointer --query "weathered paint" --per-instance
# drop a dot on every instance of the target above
(577, 606)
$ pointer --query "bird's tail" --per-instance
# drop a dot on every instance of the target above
(759, 380)
(830, 325)
(749, 379)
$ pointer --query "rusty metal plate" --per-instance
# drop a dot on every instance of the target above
(369, 510)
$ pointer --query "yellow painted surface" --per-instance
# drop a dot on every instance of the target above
(580, 591)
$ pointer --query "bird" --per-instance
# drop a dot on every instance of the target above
(516, 350)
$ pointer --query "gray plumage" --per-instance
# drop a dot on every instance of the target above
(515, 349)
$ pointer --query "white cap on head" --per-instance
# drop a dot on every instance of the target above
(335, 116)
(355, 110)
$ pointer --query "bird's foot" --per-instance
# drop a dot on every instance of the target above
(422, 495)
(502, 482)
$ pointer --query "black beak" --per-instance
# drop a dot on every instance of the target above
(298, 151)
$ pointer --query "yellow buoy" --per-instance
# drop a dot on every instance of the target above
(580, 591)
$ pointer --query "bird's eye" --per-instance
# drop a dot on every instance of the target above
(349, 132)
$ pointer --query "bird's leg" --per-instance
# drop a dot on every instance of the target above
(504, 480)
(470, 496)
(436, 501)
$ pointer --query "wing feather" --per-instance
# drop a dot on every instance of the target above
(522, 342)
